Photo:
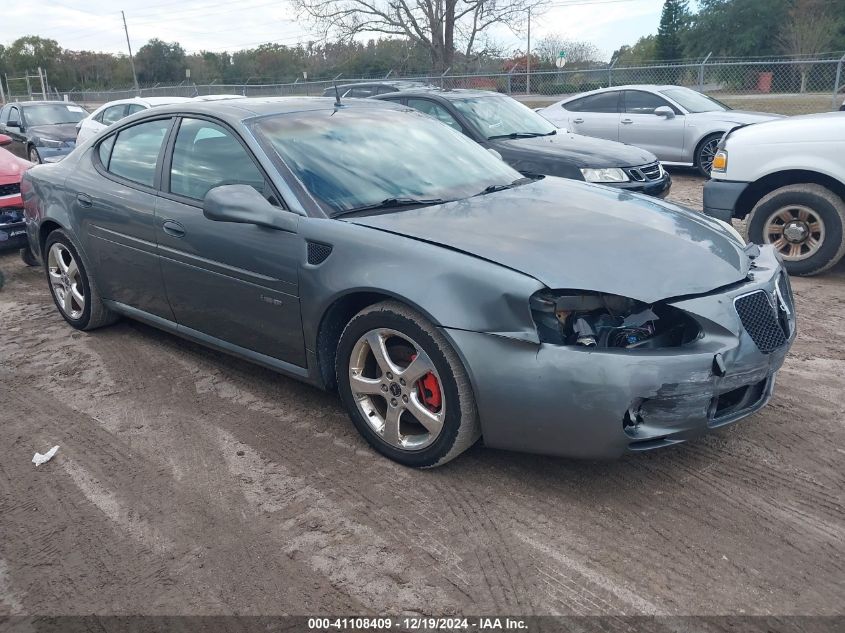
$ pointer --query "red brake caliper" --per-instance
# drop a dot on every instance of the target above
(430, 390)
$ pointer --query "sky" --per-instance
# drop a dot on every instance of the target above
(218, 25)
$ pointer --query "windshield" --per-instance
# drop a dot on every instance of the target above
(693, 101)
(53, 114)
(499, 117)
(356, 157)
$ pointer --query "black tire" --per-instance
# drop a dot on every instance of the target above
(28, 257)
(2, 279)
(461, 428)
(94, 314)
(34, 156)
(828, 206)
(701, 162)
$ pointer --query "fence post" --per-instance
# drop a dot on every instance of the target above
(443, 75)
(610, 72)
(837, 83)
(2, 95)
(701, 72)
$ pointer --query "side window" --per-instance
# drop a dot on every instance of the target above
(606, 102)
(639, 102)
(15, 115)
(136, 149)
(4, 114)
(361, 92)
(207, 155)
(436, 110)
(105, 150)
(132, 108)
(113, 114)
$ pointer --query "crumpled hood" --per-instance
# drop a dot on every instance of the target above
(581, 151)
(60, 132)
(568, 234)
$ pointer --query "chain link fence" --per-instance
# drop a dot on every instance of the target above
(782, 86)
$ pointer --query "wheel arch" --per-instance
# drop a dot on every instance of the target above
(44, 230)
(700, 142)
(770, 182)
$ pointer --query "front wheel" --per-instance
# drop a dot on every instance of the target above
(705, 154)
(404, 387)
(33, 156)
(805, 224)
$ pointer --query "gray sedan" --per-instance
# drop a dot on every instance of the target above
(370, 249)
(680, 126)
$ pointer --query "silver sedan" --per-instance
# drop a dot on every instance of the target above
(680, 126)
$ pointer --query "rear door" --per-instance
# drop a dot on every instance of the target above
(595, 115)
(235, 282)
(638, 125)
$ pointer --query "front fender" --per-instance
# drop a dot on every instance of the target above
(452, 289)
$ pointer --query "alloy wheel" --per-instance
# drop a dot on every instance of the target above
(397, 389)
(66, 281)
(796, 231)
(707, 154)
(33, 156)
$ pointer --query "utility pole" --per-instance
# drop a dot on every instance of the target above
(131, 59)
(528, 58)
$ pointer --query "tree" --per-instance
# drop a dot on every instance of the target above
(644, 50)
(578, 53)
(809, 30)
(736, 28)
(441, 26)
(673, 22)
(159, 61)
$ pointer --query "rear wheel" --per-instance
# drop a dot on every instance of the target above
(805, 224)
(405, 387)
(28, 257)
(72, 285)
(33, 155)
(706, 152)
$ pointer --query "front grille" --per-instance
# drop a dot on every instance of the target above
(11, 189)
(646, 173)
(759, 314)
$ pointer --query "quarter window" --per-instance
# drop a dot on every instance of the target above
(607, 102)
(639, 102)
(136, 149)
(436, 110)
(132, 108)
(113, 114)
(207, 155)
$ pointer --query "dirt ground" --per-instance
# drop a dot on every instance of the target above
(188, 482)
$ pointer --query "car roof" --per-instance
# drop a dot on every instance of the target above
(27, 104)
(448, 95)
(396, 83)
(250, 107)
(646, 87)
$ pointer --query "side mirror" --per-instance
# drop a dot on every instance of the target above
(5, 140)
(13, 123)
(665, 111)
(244, 205)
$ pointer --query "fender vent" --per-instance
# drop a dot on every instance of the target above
(318, 253)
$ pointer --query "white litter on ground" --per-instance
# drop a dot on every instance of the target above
(39, 459)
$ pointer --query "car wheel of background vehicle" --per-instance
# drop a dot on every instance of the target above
(28, 257)
(72, 285)
(404, 387)
(805, 224)
(33, 156)
(705, 153)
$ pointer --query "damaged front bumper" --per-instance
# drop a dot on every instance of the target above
(599, 404)
(12, 228)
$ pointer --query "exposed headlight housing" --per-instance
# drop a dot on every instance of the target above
(604, 321)
(609, 174)
(720, 161)
(49, 142)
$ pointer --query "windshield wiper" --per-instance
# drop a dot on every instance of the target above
(393, 203)
(521, 135)
(515, 183)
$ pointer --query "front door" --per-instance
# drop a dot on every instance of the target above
(662, 136)
(234, 282)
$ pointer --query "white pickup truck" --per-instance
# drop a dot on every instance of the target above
(787, 179)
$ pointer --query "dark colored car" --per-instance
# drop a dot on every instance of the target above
(41, 129)
(12, 228)
(369, 248)
(369, 89)
(532, 145)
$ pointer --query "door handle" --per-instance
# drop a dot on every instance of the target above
(173, 228)
(626, 121)
(578, 120)
(84, 200)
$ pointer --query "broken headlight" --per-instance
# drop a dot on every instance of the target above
(591, 319)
